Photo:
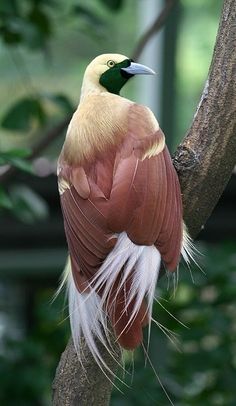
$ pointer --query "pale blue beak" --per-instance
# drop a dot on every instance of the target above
(138, 69)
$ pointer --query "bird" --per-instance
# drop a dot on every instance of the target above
(122, 208)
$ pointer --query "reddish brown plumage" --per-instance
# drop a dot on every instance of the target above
(134, 188)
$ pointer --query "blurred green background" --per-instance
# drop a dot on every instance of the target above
(44, 49)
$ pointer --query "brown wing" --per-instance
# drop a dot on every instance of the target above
(145, 199)
(145, 202)
(85, 221)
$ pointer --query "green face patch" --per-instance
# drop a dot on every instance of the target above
(114, 78)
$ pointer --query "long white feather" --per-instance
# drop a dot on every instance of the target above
(87, 316)
(189, 251)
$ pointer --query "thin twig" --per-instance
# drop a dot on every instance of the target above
(154, 28)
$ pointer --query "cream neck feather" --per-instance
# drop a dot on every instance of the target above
(99, 123)
(91, 87)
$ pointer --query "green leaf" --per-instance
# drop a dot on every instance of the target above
(9, 36)
(22, 114)
(15, 152)
(22, 165)
(15, 158)
(113, 4)
(28, 206)
(8, 8)
(89, 15)
(61, 101)
(40, 20)
(5, 201)
(37, 28)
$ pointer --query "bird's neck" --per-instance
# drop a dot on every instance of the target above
(90, 88)
(99, 124)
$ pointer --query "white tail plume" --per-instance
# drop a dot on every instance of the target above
(87, 310)
(189, 252)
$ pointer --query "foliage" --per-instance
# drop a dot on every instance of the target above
(15, 157)
(31, 22)
(25, 22)
(23, 202)
(23, 116)
(113, 4)
(20, 115)
(30, 111)
(29, 364)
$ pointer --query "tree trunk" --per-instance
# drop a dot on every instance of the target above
(206, 158)
(204, 162)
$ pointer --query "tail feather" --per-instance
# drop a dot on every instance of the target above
(189, 251)
(123, 289)
(119, 289)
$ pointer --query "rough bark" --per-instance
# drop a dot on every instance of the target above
(83, 383)
(204, 162)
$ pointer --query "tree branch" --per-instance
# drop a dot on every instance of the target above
(84, 383)
(204, 162)
(158, 23)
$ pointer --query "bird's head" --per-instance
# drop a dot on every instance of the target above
(110, 72)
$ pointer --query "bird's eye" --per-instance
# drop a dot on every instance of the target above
(110, 64)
